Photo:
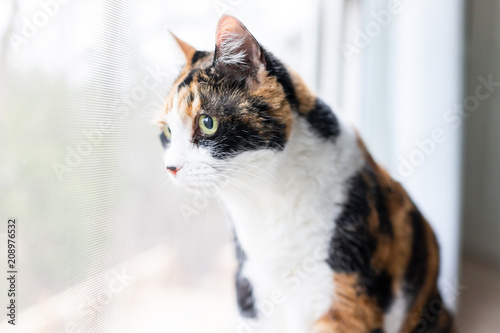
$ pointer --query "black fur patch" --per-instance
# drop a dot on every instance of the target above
(377, 330)
(352, 246)
(235, 137)
(381, 289)
(323, 120)
(244, 290)
(188, 79)
(385, 225)
(417, 266)
(278, 70)
(244, 295)
(197, 56)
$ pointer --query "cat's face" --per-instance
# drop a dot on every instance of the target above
(226, 110)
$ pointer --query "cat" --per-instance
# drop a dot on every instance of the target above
(325, 240)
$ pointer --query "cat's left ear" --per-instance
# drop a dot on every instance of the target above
(187, 49)
(237, 53)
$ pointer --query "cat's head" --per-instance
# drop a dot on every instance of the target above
(226, 110)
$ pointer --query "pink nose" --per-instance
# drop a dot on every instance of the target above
(173, 170)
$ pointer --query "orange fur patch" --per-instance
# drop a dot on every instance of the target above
(352, 311)
(272, 93)
(304, 95)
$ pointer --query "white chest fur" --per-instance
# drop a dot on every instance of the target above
(283, 206)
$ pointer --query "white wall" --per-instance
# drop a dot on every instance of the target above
(413, 74)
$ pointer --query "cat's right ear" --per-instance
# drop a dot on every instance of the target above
(187, 49)
(237, 53)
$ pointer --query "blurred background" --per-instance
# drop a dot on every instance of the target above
(107, 244)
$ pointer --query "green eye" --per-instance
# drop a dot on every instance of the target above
(208, 125)
(167, 132)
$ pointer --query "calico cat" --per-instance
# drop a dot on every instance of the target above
(326, 240)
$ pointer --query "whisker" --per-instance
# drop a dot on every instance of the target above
(206, 206)
(240, 170)
(239, 194)
(222, 208)
(254, 166)
(241, 182)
